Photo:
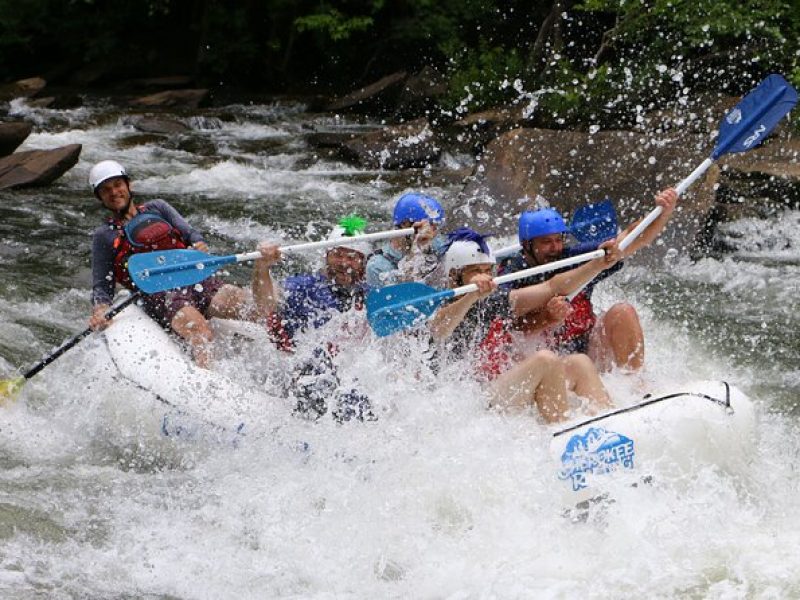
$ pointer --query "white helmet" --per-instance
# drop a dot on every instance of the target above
(463, 253)
(105, 170)
(338, 233)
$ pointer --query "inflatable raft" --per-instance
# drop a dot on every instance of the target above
(706, 422)
(176, 396)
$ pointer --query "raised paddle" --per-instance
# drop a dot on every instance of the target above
(743, 128)
(594, 222)
(397, 307)
(9, 387)
(167, 269)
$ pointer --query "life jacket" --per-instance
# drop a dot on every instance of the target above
(494, 351)
(579, 322)
(147, 231)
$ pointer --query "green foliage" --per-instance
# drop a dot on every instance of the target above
(334, 24)
(483, 77)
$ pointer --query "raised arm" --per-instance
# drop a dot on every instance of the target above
(666, 199)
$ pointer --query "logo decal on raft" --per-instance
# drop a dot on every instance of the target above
(596, 452)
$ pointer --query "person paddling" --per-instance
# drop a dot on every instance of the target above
(477, 326)
(613, 338)
(410, 259)
(156, 225)
(308, 302)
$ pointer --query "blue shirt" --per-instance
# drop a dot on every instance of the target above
(311, 300)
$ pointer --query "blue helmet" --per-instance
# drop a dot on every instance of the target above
(536, 223)
(417, 207)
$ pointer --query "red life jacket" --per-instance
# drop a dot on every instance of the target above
(494, 351)
(580, 320)
(145, 232)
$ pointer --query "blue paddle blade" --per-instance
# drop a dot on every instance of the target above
(596, 222)
(163, 270)
(749, 122)
(396, 307)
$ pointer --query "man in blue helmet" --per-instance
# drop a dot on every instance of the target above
(614, 338)
(410, 259)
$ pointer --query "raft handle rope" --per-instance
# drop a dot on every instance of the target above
(647, 401)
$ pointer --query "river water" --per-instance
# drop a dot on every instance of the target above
(438, 498)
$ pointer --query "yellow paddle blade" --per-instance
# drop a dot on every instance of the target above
(10, 388)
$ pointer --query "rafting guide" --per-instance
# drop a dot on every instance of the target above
(156, 226)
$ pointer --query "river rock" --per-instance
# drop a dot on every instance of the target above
(412, 144)
(65, 102)
(420, 93)
(571, 168)
(24, 88)
(476, 130)
(12, 135)
(156, 125)
(379, 97)
(173, 99)
(37, 167)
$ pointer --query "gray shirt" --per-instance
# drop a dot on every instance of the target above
(103, 251)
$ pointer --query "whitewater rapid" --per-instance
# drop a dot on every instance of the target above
(438, 498)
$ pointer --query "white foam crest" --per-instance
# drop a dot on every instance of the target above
(19, 107)
(774, 238)
(440, 496)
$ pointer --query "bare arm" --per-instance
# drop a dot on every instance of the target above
(265, 292)
(448, 317)
(533, 297)
(666, 199)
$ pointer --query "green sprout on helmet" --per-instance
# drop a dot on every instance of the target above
(353, 225)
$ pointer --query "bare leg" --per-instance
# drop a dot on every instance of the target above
(193, 327)
(231, 302)
(538, 380)
(584, 380)
(617, 339)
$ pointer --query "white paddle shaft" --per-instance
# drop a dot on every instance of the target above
(656, 212)
(559, 264)
(367, 237)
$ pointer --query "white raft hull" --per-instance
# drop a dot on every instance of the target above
(708, 422)
(182, 398)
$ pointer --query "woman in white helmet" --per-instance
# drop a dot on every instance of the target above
(156, 225)
(477, 325)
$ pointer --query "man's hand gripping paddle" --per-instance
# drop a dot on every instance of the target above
(10, 387)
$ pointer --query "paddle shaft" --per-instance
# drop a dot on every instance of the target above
(558, 264)
(73, 341)
(216, 261)
(724, 145)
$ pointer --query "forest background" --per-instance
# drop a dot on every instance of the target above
(596, 61)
